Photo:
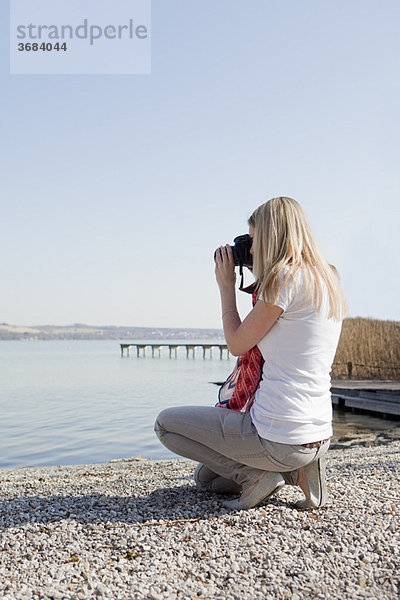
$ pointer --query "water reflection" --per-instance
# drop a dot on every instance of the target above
(346, 423)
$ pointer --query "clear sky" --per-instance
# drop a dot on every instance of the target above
(116, 189)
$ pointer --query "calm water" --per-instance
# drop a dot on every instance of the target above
(74, 402)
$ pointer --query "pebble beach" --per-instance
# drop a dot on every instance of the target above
(139, 529)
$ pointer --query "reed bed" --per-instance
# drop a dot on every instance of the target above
(371, 346)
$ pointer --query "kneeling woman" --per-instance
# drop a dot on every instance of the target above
(296, 324)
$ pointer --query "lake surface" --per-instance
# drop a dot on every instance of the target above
(76, 402)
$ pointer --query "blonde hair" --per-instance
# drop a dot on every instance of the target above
(283, 242)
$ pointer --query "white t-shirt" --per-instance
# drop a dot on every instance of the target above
(293, 403)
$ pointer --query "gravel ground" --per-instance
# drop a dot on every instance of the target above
(138, 529)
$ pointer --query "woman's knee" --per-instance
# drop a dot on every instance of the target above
(159, 427)
(164, 418)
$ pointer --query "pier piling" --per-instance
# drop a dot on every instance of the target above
(173, 349)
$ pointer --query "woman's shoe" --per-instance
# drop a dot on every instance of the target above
(208, 481)
(203, 476)
(268, 484)
(317, 494)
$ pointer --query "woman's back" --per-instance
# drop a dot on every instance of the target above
(293, 402)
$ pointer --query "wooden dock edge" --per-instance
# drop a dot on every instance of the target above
(378, 397)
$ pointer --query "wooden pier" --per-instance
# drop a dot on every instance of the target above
(374, 396)
(173, 349)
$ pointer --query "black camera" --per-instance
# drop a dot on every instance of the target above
(241, 251)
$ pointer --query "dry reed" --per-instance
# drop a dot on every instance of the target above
(371, 346)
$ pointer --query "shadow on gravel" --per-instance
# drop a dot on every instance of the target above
(167, 504)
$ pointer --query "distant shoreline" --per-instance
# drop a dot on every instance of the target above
(80, 331)
(368, 348)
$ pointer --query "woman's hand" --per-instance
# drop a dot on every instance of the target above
(239, 336)
(225, 268)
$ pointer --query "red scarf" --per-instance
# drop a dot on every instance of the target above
(239, 390)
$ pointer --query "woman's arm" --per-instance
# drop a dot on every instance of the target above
(240, 336)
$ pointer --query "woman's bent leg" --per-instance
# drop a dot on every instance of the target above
(226, 442)
(223, 440)
(200, 452)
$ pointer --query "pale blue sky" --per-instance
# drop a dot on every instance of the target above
(115, 190)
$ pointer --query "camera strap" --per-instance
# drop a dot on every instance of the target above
(250, 289)
(241, 278)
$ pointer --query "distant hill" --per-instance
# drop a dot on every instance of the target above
(79, 331)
